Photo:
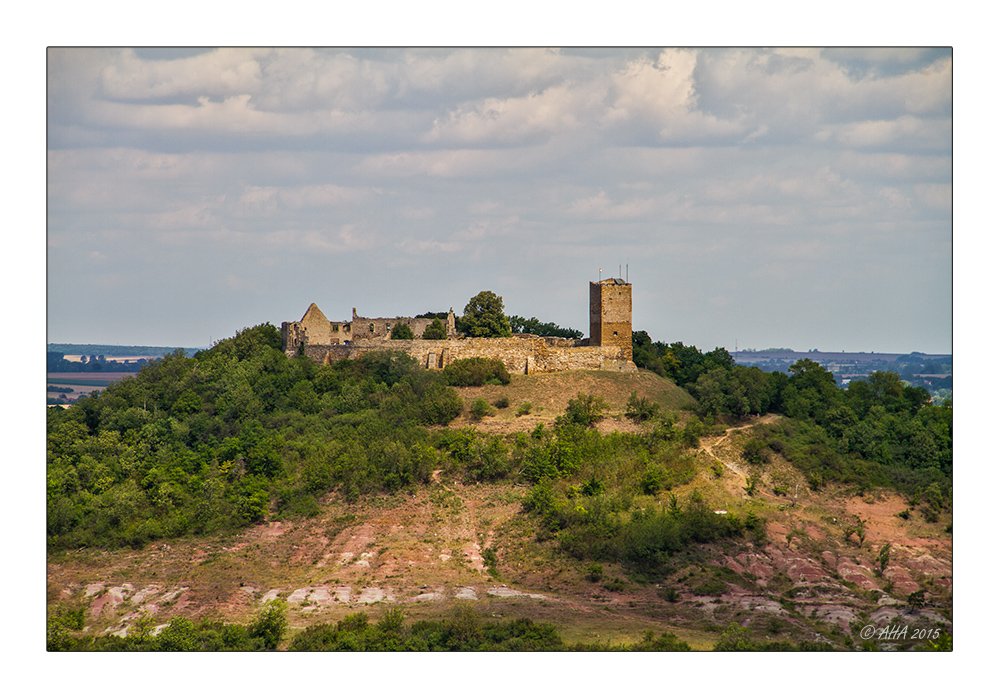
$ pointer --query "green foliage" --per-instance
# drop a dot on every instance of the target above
(736, 638)
(475, 371)
(435, 331)
(585, 410)
(641, 409)
(401, 331)
(755, 452)
(479, 408)
(210, 443)
(533, 326)
(664, 642)
(463, 630)
(502, 402)
(883, 558)
(523, 409)
(484, 317)
(270, 624)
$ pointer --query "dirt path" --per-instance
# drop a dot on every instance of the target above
(709, 447)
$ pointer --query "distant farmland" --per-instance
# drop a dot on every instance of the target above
(81, 383)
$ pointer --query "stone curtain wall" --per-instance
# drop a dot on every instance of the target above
(381, 328)
(521, 354)
(362, 328)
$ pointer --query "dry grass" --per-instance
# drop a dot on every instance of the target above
(549, 394)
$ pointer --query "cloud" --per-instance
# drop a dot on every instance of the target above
(516, 120)
(385, 168)
(601, 207)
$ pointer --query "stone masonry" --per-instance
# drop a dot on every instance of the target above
(609, 347)
(611, 315)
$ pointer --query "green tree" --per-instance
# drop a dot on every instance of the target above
(435, 331)
(180, 635)
(484, 317)
(735, 637)
(533, 326)
(401, 331)
(270, 624)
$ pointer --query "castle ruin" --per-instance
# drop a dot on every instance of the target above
(608, 348)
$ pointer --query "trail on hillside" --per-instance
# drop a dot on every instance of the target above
(708, 447)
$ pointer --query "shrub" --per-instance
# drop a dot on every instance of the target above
(670, 594)
(523, 409)
(475, 371)
(502, 402)
(640, 409)
(479, 409)
(585, 409)
(651, 481)
(755, 452)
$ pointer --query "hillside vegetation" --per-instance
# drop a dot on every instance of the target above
(614, 502)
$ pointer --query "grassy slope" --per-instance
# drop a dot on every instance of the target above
(422, 549)
(549, 394)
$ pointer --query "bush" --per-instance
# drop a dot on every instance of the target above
(640, 409)
(755, 452)
(584, 410)
(502, 402)
(479, 409)
(475, 371)
(523, 409)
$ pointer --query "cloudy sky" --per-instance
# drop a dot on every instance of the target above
(759, 198)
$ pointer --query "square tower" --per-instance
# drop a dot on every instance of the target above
(611, 315)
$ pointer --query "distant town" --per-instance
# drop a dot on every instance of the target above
(932, 371)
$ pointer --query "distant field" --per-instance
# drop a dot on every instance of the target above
(116, 351)
(87, 378)
(81, 382)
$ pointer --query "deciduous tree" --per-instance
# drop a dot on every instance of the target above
(484, 317)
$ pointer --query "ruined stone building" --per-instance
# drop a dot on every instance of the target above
(315, 330)
(609, 346)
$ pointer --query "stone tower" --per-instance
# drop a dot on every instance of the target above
(611, 315)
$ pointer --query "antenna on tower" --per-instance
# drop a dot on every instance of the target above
(626, 272)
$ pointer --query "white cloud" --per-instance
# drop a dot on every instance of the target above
(602, 207)
(411, 164)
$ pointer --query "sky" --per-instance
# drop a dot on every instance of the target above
(756, 198)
